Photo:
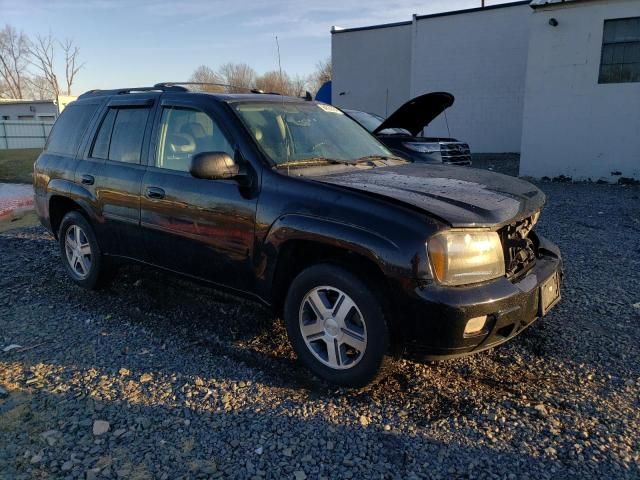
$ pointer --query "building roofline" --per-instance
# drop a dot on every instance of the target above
(553, 3)
(18, 101)
(334, 30)
(475, 9)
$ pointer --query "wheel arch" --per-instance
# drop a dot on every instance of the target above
(60, 205)
(296, 242)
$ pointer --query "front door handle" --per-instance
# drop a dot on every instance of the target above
(87, 179)
(154, 192)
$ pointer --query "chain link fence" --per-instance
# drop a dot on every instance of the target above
(15, 134)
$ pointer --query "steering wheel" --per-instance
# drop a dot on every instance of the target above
(181, 143)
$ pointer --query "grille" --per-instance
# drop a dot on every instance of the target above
(455, 152)
(520, 246)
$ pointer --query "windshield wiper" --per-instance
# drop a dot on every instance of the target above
(371, 158)
(306, 162)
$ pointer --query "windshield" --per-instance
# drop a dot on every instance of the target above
(371, 121)
(296, 132)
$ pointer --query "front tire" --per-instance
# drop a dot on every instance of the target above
(81, 253)
(336, 325)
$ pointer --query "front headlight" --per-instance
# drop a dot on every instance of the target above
(423, 147)
(460, 258)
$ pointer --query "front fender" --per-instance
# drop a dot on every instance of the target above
(297, 227)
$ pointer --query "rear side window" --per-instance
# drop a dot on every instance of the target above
(121, 134)
(68, 130)
(101, 145)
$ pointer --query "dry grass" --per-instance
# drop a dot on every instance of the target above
(26, 219)
(16, 165)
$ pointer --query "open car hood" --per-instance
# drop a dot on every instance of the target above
(461, 197)
(418, 112)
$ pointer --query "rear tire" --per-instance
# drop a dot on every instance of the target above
(336, 325)
(81, 254)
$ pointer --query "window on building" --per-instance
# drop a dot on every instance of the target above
(5, 117)
(121, 134)
(620, 62)
(184, 133)
(69, 128)
(25, 117)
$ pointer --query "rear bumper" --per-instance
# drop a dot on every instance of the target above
(435, 317)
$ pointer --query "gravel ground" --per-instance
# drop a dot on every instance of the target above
(160, 378)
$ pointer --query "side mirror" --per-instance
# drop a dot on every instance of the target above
(213, 166)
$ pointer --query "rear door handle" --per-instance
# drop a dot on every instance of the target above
(87, 179)
(154, 192)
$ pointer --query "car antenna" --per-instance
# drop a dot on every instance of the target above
(281, 86)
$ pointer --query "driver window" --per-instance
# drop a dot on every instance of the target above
(185, 132)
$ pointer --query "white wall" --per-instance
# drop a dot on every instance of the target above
(37, 109)
(478, 56)
(367, 63)
(572, 125)
(481, 58)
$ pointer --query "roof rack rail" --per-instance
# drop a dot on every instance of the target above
(122, 91)
(213, 84)
(176, 87)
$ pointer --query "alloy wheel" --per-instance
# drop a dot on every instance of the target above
(333, 327)
(78, 250)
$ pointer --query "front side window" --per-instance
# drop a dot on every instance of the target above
(297, 132)
(121, 135)
(620, 62)
(185, 132)
(68, 130)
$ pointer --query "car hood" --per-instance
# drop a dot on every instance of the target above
(461, 197)
(418, 112)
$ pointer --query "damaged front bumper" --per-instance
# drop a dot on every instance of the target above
(435, 318)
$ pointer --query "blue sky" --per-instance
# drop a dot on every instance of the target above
(141, 42)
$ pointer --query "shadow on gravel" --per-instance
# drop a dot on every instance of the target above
(210, 437)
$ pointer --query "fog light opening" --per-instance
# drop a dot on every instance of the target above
(475, 325)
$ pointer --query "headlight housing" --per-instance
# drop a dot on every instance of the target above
(464, 257)
(423, 147)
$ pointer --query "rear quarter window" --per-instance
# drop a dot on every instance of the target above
(67, 133)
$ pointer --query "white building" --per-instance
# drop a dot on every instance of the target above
(19, 109)
(582, 93)
(40, 110)
(521, 84)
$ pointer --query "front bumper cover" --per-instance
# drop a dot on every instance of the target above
(435, 317)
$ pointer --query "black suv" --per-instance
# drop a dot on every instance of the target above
(294, 204)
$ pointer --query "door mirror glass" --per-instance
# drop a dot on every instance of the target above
(213, 166)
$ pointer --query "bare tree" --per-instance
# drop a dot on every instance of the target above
(38, 87)
(274, 82)
(14, 58)
(240, 75)
(71, 65)
(42, 53)
(297, 86)
(321, 75)
(204, 74)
